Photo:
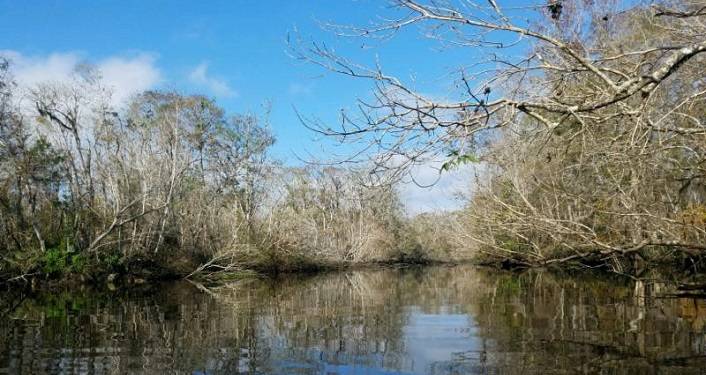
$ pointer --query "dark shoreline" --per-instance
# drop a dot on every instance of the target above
(147, 278)
(150, 277)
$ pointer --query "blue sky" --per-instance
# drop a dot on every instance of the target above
(234, 51)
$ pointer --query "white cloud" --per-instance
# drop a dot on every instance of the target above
(29, 71)
(129, 76)
(199, 76)
(124, 76)
(445, 189)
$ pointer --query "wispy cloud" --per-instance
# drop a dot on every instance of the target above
(219, 87)
(124, 76)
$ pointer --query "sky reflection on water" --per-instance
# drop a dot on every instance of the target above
(440, 320)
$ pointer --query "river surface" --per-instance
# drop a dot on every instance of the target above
(437, 320)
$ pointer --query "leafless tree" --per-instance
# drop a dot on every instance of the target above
(587, 114)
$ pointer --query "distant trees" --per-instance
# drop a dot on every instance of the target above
(331, 214)
(167, 183)
(587, 117)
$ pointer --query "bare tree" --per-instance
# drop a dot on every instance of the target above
(593, 136)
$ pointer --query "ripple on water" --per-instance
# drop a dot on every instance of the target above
(437, 320)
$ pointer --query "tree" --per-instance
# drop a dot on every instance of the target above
(31, 179)
(167, 179)
(592, 138)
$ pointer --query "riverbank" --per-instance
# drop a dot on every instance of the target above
(138, 274)
(632, 263)
(268, 263)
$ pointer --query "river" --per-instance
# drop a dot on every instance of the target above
(434, 320)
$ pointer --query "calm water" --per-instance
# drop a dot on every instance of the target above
(458, 320)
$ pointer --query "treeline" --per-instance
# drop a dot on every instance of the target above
(587, 135)
(169, 185)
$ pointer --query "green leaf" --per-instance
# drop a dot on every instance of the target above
(458, 160)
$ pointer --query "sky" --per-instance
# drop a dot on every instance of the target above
(236, 52)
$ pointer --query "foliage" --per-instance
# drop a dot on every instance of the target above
(458, 160)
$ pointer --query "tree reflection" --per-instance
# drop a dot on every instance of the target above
(443, 320)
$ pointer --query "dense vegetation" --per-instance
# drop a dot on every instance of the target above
(168, 184)
(612, 174)
(584, 121)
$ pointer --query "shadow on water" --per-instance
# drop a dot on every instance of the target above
(436, 320)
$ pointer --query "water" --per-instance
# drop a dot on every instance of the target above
(441, 320)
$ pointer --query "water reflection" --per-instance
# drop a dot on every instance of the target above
(441, 320)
